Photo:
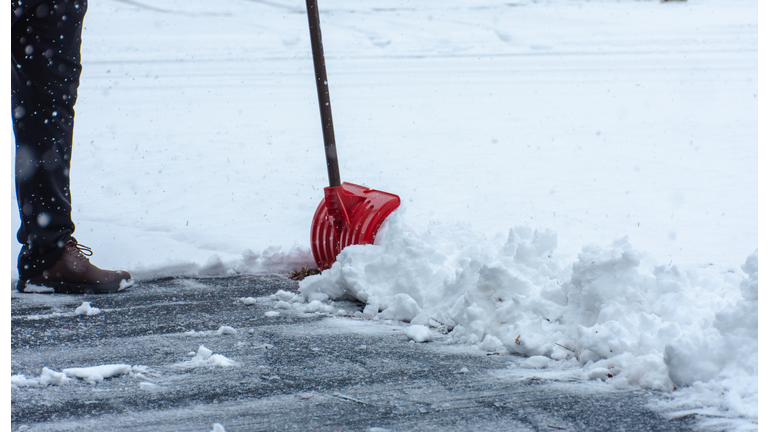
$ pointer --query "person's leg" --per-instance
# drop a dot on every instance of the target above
(45, 63)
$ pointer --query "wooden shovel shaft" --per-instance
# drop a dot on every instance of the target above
(323, 96)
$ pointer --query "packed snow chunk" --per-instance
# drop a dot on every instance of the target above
(248, 301)
(225, 330)
(217, 427)
(535, 362)
(286, 296)
(125, 284)
(206, 357)
(52, 377)
(271, 314)
(402, 308)
(86, 309)
(418, 333)
(203, 353)
(48, 377)
(97, 374)
(23, 381)
(39, 289)
(316, 306)
(492, 344)
(283, 305)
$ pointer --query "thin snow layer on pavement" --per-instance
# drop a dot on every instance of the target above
(629, 320)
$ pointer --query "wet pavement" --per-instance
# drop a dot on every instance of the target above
(292, 371)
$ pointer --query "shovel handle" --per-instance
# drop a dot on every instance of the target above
(323, 96)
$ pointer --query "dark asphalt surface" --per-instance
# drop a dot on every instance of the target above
(295, 371)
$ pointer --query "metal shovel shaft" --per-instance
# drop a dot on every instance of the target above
(323, 95)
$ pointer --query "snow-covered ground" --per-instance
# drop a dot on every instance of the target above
(526, 140)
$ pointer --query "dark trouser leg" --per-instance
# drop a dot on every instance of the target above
(45, 64)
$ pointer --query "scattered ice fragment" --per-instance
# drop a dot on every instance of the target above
(205, 357)
(86, 309)
(217, 427)
(225, 330)
(271, 314)
(464, 370)
(248, 301)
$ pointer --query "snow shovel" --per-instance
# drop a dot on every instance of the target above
(349, 214)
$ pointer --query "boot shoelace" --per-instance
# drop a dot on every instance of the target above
(81, 250)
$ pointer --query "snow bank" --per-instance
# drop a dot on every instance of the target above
(627, 320)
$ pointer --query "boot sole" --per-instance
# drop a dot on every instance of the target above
(71, 288)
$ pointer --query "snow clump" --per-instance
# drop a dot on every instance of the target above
(87, 309)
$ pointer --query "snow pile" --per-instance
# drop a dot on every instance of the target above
(87, 309)
(205, 357)
(626, 320)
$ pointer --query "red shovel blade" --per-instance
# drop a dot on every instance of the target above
(349, 215)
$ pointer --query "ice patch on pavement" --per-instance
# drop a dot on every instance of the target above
(625, 319)
(206, 357)
(87, 309)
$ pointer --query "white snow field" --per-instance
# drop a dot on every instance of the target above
(578, 178)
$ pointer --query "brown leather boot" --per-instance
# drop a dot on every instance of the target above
(73, 273)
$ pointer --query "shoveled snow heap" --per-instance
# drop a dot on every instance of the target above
(625, 319)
